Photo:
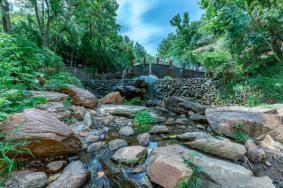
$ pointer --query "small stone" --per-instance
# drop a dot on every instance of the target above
(182, 121)
(95, 147)
(87, 119)
(267, 163)
(27, 179)
(55, 166)
(170, 122)
(198, 118)
(143, 139)
(159, 129)
(200, 127)
(254, 153)
(94, 137)
(79, 112)
(52, 178)
(117, 144)
(126, 131)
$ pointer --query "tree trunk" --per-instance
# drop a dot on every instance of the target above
(7, 27)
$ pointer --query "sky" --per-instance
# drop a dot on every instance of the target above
(147, 21)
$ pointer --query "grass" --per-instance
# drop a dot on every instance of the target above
(134, 102)
(142, 122)
(239, 135)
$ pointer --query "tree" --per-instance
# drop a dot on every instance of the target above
(6, 22)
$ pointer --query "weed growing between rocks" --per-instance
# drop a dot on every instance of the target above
(240, 136)
(134, 101)
(195, 180)
(142, 122)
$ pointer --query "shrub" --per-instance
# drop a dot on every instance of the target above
(62, 79)
(240, 136)
(134, 101)
(142, 121)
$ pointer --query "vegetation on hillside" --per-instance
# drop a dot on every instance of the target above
(239, 41)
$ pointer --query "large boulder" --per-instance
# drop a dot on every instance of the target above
(256, 122)
(46, 135)
(220, 147)
(80, 97)
(130, 155)
(216, 173)
(182, 105)
(73, 176)
(112, 98)
(130, 92)
(121, 110)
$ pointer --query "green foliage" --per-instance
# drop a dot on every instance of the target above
(68, 103)
(240, 136)
(142, 121)
(136, 101)
(195, 180)
(168, 78)
(62, 79)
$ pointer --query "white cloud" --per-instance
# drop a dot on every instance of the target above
(130, 14)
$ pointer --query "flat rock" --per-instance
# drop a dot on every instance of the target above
(190, 136)
(182, 121)
(73, 176)
(130, 155)
(56, 108)
(157, 129)
(143, 139)
(46, 135)
(198, 118)
(126, 131)
(117, 144)
(27, 179)
(121, 110)
(55, 166)
(50, 96)
(254, 153)
(220, 147)
(79, 96)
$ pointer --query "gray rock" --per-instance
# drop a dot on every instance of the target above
(73, 176)
(117, 144)
(143, 139)
(95, 147)
(156, 118)
(121, 110)
(254, 153)
(55, 166)
(170, 122)
(95, 136)
(182, 121)
(130, 155)
(88, 119)
(220, 147)
(157, 129)
(27, 179)
(198, 118)
(193, 136)
(126, 131)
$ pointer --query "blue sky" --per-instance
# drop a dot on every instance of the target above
(147, 21)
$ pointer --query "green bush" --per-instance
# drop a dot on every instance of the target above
(134, 101)
(240, 136)
(62, 79)
(142, 121)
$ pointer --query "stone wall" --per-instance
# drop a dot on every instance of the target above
(202, 90)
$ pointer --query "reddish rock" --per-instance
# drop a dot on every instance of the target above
(45, 133)
(112, 98)
(80, 97)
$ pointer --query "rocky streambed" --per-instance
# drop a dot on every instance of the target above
(90, 145)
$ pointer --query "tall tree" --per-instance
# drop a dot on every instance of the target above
(6, 22)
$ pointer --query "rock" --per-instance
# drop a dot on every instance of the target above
(108, 120)
(220, 147)
(55, 166)
(137, 179)
(156, 118)
(130, 92)
(143, 139)
(95, 147)
(52, 178)
(27, 179)
(94, 136)
(170, 122)
(198, 118)
(254, 153)
(88, 119)
(79, 112)
(216, 173)
(130, 155)
(269, 144)
(257, 122)
(190, 136)
(117, 144)
(157, 129)
(56, 108)
(182, 105)
(46, 135)
(50, 96)
(79, 96)
(126, 131)
(200, 127)
(73, 176)
(182, 121)
(167, 169)
(112, 98)
(121, 110)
